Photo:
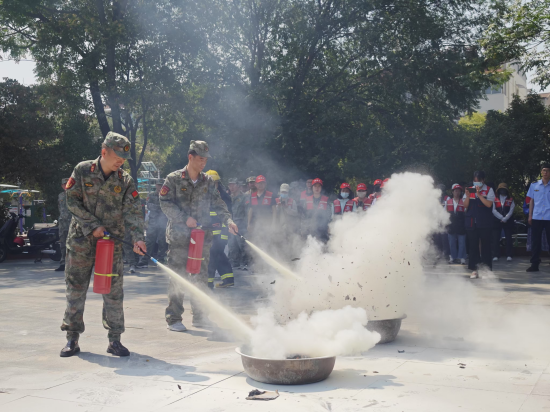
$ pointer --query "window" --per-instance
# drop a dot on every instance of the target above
(494, 90)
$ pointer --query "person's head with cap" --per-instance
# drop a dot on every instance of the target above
(233, 185)
(317, 187)
(457, 191)
(115, 150)
(64, 182)
(345, 191)
(261, 184)
(502, 190)
(377, 185)
(284, 191)
(251, 181)
(309, 183)
(198, 155)
(362, 190)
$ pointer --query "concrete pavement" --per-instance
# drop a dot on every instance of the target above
(199, 370)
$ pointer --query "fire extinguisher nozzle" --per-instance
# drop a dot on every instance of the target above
(154, 260)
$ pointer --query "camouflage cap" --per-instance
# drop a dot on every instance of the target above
(64, 181)
(120, 144)
(200, 147)
(251, 179)
(233, 180)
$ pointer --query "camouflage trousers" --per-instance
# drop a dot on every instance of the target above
(63, 245)
(78, 272)
(177, 261)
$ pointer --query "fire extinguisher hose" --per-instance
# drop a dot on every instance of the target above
(129, 244)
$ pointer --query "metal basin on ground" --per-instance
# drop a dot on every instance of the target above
(287, 371)
(388, 328)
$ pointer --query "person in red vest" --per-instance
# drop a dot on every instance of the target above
(308, 191)
(379, 194)
(361, 200)
(261, 205)
(377, 191)
(456, 230)
(503, 209)
(344, 203)
(317, 213)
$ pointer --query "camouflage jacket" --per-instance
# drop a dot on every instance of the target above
(156, 216)
(240, 208)
(180, 199)
(95, 202)
(64, 214)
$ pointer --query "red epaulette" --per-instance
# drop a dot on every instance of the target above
(92, 169)
(183, 174)
(120, 174)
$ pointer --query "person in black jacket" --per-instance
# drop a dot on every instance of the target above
(456, 230)
(478, 202)
(218, 258)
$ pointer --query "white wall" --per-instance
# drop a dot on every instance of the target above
(501, 99)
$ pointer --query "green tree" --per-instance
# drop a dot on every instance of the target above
(131, 58)
(512, 145)
(42, 138)
(521, 31)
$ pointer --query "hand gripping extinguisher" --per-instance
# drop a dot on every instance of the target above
(104, 252)
(194, 260)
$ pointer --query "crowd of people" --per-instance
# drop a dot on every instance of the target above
(100, 198)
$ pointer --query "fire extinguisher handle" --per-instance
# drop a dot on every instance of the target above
(106, 234)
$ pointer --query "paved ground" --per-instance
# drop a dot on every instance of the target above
(197, 371)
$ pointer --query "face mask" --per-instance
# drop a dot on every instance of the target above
(361, 194)
(476, 184)
(344, 195)
(284, 195)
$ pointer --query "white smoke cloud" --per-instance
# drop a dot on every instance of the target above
(324, 333)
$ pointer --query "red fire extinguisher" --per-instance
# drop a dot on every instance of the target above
(103, 272)
(195, 258)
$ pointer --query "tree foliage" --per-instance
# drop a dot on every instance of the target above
(521, 31)
(42, 138)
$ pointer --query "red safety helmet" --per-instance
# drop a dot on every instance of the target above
(456, 186)
(387, 179)
(345, 186)
(260, 179)
(317, 180)
(377, 182)
(361, 186)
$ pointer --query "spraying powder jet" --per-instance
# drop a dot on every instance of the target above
(272, 262)
(221, 315)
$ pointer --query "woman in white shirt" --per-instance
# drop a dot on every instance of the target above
(503, 209)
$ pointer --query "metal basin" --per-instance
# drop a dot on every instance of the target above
(388, 329)
(287, 371)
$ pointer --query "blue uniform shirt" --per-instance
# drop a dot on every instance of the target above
(541, 196)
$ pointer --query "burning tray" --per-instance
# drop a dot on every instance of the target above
(388, 329)
(297, 371)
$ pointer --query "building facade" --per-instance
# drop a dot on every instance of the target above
(500, 97)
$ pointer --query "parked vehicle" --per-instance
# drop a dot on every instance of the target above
(43, 238)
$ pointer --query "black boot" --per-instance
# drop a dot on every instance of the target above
(61, 268)
(117, 349)
(533, 268)
(70, 349)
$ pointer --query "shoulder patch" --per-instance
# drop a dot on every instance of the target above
(120, 174)
(135, 194)
(164, 191)
(92, 169)
(70, 184)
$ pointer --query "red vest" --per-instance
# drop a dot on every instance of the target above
(303, 195)
(366, 203)
(483, 193)
(503, 209)
(451, 206)
(266, 200)
(288, 204)
(323, 203)
(348, 207)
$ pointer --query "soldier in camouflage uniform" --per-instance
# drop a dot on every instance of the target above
(237, 252)
(187, 197)
(101, 197)
(156, 227)
(63, 224)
